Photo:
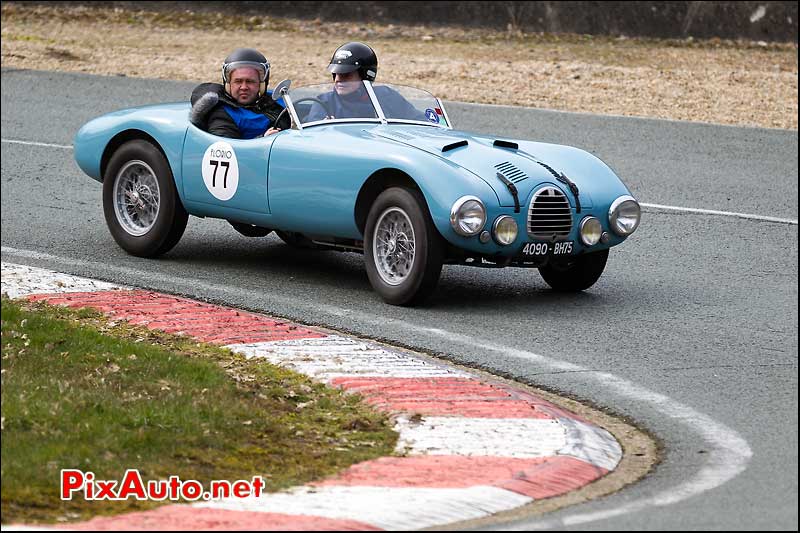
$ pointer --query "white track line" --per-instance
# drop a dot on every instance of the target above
(31, 143)
(722, 213)
(729, 456)
(747, 216)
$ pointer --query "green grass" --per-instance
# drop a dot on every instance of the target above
(28, 38)
(81, 392)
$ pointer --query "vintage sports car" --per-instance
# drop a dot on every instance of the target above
(392, 180)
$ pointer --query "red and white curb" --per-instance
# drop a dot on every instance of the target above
(469, 446)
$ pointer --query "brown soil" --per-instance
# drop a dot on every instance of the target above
(723, 82)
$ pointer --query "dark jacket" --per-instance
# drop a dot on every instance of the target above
(208, 111)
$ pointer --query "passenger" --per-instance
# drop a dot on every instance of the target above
(351, 64)
(241, 107)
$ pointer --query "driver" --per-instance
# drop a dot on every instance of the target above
(240, 108)
(351, 64)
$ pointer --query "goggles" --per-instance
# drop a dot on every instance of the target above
(262, 68)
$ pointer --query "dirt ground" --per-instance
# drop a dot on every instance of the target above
(722, 82)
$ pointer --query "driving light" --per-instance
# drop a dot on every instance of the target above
(591, 230)
(624, 215)
(505, 230)
(467, 216)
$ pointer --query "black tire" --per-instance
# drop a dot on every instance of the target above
(249, 230)
(576, 275)
(418, 278)
(134, 169)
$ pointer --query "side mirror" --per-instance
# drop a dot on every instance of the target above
(281, 89)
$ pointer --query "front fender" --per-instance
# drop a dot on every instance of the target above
(442, 183)
(315, 177)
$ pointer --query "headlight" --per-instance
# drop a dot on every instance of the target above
(624, 216)
(505, 230)
(467, 216)
(591, 229)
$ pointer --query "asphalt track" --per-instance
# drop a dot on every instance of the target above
(691, 332)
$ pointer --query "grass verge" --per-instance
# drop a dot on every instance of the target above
(80, 391)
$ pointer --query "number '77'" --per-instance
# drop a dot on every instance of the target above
(218, 164)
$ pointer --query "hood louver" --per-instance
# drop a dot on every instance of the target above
(511, 172)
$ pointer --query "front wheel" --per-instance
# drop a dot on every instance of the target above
(141, 205)
(403, 251)
(576, 274)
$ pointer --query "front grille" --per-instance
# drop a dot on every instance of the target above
(549, 216)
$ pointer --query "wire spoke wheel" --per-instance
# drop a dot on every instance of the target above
(394, 246)
(137, 197)
(141, 205)
(403, 250)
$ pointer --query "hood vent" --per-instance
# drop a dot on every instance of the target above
(511, 172)
(454, 145)
(506, 144)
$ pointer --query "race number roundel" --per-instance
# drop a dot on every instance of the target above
(221, 170)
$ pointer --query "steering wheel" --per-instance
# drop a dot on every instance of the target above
(307, 98)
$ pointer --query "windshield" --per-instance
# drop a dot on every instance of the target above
(314, 103)
(353, 102)
(401, 103)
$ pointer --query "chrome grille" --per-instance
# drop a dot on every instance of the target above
(549, 216)
(511, 172)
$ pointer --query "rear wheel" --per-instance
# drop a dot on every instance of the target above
(403, 251)
(141, 205)
(577, 274)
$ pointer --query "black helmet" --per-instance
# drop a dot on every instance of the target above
(246, 57)
(355, 56)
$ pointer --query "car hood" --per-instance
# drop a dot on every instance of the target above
(525, 164)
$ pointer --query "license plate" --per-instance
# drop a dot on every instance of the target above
(542, 249)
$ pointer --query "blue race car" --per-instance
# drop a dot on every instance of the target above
(392, 180)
